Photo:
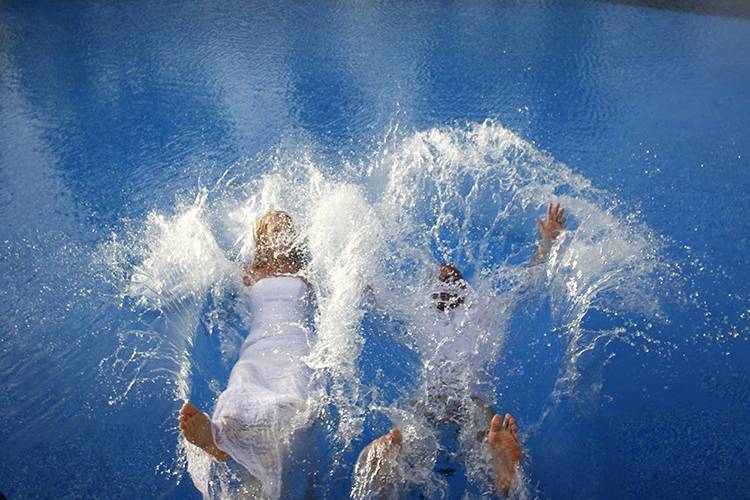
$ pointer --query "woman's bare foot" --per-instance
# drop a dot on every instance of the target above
(196, 428)
(505, 449)
(375, 473)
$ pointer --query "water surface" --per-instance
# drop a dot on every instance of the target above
(138, 143)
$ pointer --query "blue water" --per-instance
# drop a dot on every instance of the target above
(136, 139)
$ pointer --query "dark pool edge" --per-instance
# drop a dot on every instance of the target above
(720, 8)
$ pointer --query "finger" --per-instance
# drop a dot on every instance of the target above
(563, 221)
(557, 209)
(396, 436)
(549, 211)
(506, 421)
(560, 214)
(540, 224)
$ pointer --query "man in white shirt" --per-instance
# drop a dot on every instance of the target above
(453, 357)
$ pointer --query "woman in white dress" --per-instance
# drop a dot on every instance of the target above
(267, 388)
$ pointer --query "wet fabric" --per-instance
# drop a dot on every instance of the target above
(462, 344)
(258, 412)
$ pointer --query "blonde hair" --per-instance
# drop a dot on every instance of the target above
(279, 245)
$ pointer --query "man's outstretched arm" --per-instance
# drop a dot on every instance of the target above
(549, 230)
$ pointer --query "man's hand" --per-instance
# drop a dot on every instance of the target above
(554, 224)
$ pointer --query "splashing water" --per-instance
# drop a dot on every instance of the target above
(375, 232)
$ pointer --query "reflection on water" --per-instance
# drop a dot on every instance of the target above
(139, 142)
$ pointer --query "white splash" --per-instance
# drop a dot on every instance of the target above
(462, 195)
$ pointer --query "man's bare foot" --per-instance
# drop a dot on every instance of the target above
(375, 474)
(505, 449)
(196, 428)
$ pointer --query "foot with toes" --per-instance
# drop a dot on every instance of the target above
(505, 449)
(196, 427)
(375, 474)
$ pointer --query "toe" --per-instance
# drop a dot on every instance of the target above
(496, 425)
(512, 426)
(188, 409)
(506, 421)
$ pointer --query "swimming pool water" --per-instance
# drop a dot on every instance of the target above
(138, 140)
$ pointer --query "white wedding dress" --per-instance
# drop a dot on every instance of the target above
(258, 412)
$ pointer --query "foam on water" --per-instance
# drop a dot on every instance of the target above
(466, 195)
(469, 196)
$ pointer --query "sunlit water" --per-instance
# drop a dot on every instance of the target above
(136, 160)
